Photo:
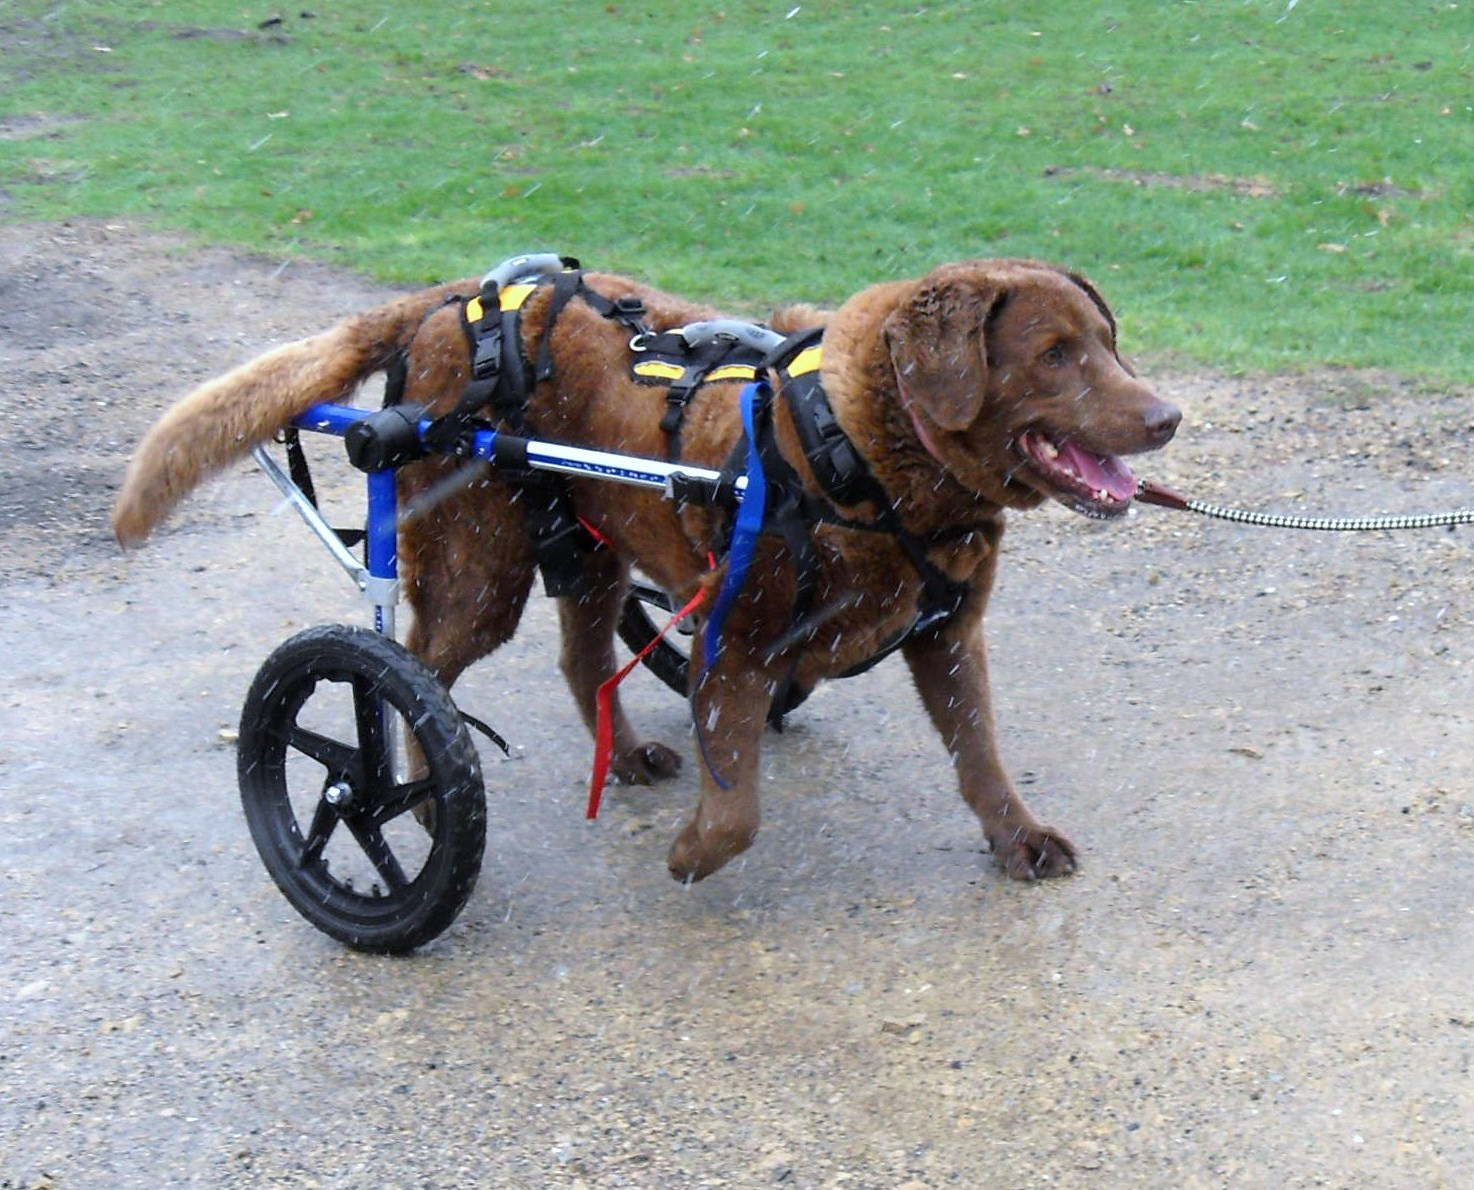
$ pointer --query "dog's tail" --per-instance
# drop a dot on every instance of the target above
(225, 418)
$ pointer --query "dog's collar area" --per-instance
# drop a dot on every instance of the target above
(929, 445)
(834, 459)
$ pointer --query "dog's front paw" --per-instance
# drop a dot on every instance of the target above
(647, 763)
(696, 854)
(687, 859)
(1033, 852)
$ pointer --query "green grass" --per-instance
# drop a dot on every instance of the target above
(1255, 185)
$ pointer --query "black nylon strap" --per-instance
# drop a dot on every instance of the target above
(842, 472)
(836, 463)
(484, 344)
(565, 285)
(509, 398)
(301, 475)
(698, 364)
(627, 311)
(297, 464)
(559, 540)
(781, 356)
(395, 376)
(486, 730)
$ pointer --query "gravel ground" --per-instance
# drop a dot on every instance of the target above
(1259, 978)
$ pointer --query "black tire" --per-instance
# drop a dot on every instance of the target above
(667, 661)
(315, 754)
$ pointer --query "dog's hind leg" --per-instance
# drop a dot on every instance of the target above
(467, 569)
(450, 639)
(587, 659)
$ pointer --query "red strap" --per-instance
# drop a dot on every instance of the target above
(599, 538)
(604, 704)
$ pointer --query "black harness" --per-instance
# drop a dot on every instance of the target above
(684, 359)
(847, 480)
(844, 475)
(503, 379)
(502, 376)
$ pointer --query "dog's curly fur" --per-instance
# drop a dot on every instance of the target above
(939, 381)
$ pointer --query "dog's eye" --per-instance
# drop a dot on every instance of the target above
(1054, 357)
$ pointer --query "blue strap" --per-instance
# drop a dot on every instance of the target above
(745, 529)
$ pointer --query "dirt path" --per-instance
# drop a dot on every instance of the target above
(1260, 740)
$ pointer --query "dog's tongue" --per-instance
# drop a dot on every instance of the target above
(1100, 471)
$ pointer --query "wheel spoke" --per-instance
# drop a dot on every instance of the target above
(401, 798)
(374, 845)
(373, 743)
(337, 758)
(324, 819)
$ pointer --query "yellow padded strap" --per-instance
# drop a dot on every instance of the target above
(807, 360)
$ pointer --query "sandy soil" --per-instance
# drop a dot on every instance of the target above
(1260, 977)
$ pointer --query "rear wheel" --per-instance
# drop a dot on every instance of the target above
(374, 857)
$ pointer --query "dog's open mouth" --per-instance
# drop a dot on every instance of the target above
(1096, 485)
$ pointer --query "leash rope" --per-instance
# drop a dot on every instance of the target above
(1151, 493)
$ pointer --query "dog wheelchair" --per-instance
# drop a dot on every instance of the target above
(359, 780)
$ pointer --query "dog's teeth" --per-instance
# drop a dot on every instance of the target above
(1102, 495)
(1051, 451)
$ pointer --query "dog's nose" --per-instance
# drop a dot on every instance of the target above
(1161, 420)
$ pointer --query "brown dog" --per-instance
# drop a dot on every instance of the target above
(982, 386)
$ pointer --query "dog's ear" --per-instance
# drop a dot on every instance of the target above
(1100, 304)
(938, 347)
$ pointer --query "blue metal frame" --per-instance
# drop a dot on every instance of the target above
(378, 576)
(381, 547)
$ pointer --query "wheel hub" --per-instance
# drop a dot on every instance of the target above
(340, 795)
